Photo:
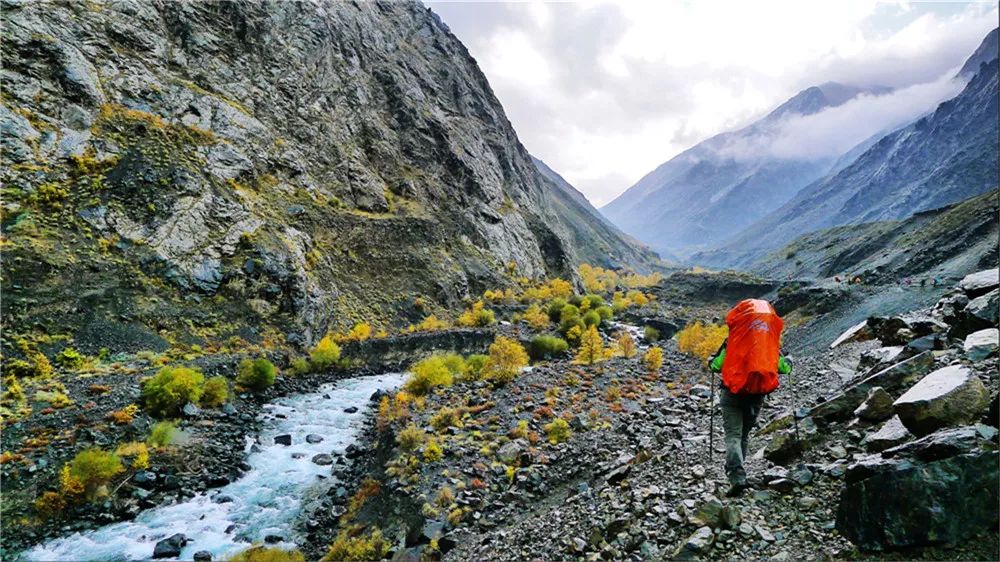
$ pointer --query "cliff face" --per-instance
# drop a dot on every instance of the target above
(214, 168)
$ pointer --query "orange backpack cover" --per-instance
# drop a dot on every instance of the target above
(751, 362)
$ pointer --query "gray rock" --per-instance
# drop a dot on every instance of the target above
(892, 379)
(764, 533)
(880, 357)
(322, 459)
(696, 544)
(510, 452)
(980, 345)
(285, 439)
(981, 282)
(949, 396)
(876, 407)
(170, 547)
(892, 433)
(801, 475)
(859, 332)
(941, 502)
(700, 390)
(313, 439)
(203, 556)
(945, 443)
(708, 514)
(190, 410)
(985, 307)
(788, 444)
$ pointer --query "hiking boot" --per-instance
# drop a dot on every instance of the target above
(736, 488)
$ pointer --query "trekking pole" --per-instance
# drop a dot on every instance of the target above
(711, 416)
(795, 413)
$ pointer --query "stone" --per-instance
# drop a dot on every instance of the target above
(901, 504)
(892, 433)
(984, 307)
(783, 485)
(801, 475)
(144, 478)
(949, 396)
(203, 556)
(837, 452)
(170, 547)
(579, 422)
(945, 443)
(190, 410)
(764, 533)
(788, 444)
(285, 440)
(708, 514)
(980, 345)
(882, 356)
(858, 332)
(892, 379)
(731, 517)
(322, 459)
(701, 391)
(876, 407)
(775, 473)
(313, 439)
(510, 452)
(980, 283)
(351, 410)
(697, 544)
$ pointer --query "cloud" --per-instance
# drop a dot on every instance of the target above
(606, 91)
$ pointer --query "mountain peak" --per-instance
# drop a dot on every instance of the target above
(986, 52)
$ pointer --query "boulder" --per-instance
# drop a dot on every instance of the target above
(313, 439)
(892, 433)
(898, 503)
(891, 379)
(985, 307)
(949, 396)
(946, 443)
(980, 345)
(696, 545)
(285, 440)
(322, 459)
(203, 556)
(950, 307)
(880, 357)
(876, 407)
(170, 547)
(510, 452)
(858, 332)
(786, 446)
(980, 283)
(708, 514)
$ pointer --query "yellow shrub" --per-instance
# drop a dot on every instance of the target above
(536, 317)
(635, 280)
(161, 434)
(427, 374)
(123, 416)
(506, 359)
(90, 470)
(171, 388)
(216, 392)
(476, 316)
(653, 359)
(352, 546)
(137, 452)
(625, 345)
(597, 279)
(638, 298)
(428, 324)
(411, 437)
(267, 554)
(360, 331)
(445, 418)
(700, 340)
(325, 354)
(557, 431)
(432, 451)
(591, 347)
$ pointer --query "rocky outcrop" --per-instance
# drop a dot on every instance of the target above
(980, 345)
(892, 433)
(301, 164)
(946, 397)
(891, 379)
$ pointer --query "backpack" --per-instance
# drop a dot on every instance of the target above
(753, 348)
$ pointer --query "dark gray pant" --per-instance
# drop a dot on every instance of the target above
(739, 414)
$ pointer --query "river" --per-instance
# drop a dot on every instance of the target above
(265, 501)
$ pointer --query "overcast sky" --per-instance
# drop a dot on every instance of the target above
(604, 92)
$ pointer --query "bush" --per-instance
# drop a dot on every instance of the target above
(591, 318)
(69, 358)
(171, 388)
(89, 471)
(267, 554)
(433, 451)
(474, 367)
(625, 345)
(477, 316)
(535, 317)
(325, 354)
(257, 374)
(299, 366)
(653, 359)
(555, 309)
(427, 374)
(349, 546)
(445, 418)
(428, 324)
(360, 331)
(454, 363)
(650, 334)
(569, 311)
(161, 435)
(544, 347)
(123, 416)
(701, 340)
(605, 313)
(505, 360)
(411, 437)
(137, 452)
(591, 302)
(591, 347)
(557, 431)
(216, 392)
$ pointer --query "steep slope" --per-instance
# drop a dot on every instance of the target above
(597, 240)
(204, 170)
(943, 158)
(988, 50)
(724, 184)
(946, 242)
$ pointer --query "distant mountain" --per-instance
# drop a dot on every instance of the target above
(596, 240)
(940, 159)
(987, 51)
(707, 193)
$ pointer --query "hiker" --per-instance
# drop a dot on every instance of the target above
(750, 361)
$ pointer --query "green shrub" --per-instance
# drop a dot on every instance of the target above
(569, 311)
(544, 347)
(69, 358)
(166, 392)
(591, 318)
(454, 363)
(557, 431)
(650, 334)
(216, 392)
(474, 367)
(593, 301)
(325, 354)
(555, 309)
(299, 366)
(161, 434)
(256, 375)
(427, 374)
(576, 300)
(605, 312)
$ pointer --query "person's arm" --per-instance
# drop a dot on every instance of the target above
(720, 357)
(784, 365)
